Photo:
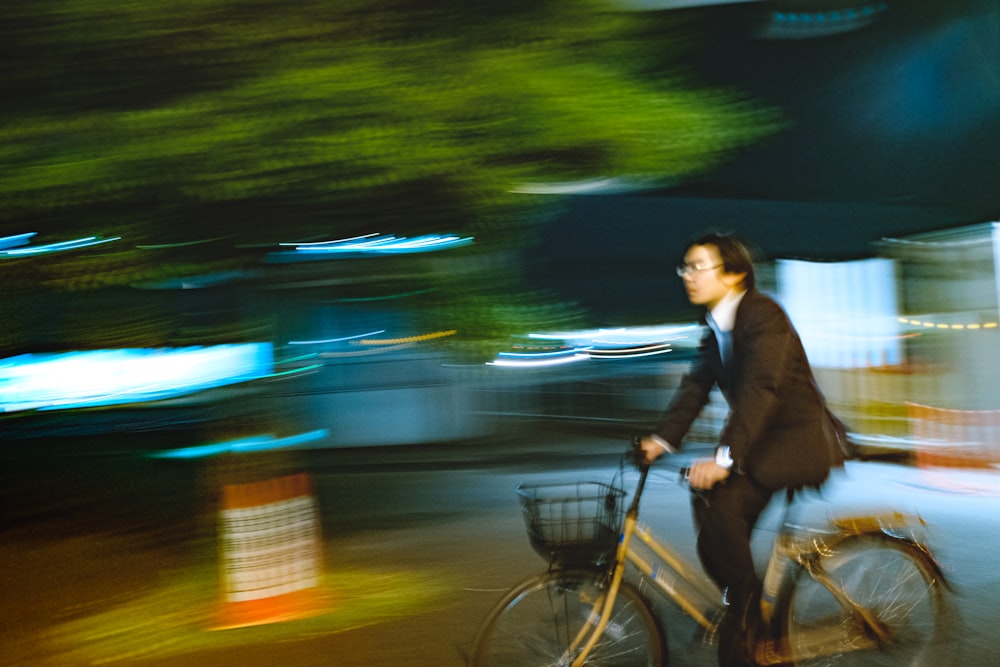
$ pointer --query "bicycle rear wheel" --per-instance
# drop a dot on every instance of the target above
(535, 623)
(893, 580)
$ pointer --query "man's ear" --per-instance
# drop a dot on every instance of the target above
(733, 279)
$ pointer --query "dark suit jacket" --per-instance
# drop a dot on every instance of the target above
(779, 429)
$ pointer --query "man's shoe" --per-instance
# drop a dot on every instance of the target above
(751, 625)
(771, 652)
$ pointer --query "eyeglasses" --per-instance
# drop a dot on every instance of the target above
(685, 269)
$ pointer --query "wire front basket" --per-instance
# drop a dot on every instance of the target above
(573, 524)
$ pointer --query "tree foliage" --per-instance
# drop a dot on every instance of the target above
(252, 122)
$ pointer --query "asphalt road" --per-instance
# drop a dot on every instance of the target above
(109, 557)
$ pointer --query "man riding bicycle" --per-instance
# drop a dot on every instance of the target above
(779, 433)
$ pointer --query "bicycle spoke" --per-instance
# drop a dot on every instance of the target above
(537, 623)
(894, 587)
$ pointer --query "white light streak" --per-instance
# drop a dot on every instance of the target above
(335, 340)
(548, 361)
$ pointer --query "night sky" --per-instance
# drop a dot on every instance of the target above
(895, 129)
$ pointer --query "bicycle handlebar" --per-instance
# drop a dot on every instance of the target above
(637, 457)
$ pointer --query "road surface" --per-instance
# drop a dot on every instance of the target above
(112, 558)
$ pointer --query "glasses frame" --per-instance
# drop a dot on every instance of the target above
(685, 269)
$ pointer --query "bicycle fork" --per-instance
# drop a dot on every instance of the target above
(596, 623)
(587, 636)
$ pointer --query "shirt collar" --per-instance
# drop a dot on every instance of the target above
(723, 316)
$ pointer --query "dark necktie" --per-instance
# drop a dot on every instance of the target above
(725, 340)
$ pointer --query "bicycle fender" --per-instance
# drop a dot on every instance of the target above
(897, 527)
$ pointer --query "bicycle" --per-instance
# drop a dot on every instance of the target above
(864, 590)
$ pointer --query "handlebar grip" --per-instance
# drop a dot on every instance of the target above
(635, 453)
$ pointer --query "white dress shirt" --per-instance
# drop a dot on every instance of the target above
(721, 320)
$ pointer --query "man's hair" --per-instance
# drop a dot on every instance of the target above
(735, 256)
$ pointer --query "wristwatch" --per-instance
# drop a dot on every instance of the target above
(723, 457)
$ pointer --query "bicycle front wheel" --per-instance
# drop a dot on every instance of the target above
(893, 580)
(535, 624)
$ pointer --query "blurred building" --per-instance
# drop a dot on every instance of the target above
(906, 345)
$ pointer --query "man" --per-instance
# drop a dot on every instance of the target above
(779, 433)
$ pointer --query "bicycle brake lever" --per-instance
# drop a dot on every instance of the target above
(635, 455)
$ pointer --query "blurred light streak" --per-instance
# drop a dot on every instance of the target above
(410, 339)
(17, 240)
(825, 21)
(601, 344)
(180, 244)
(943, 325)
(540, 355)
(258, 443)
(577, 354)
(367, 352)
(336, 241)
(370, 244)
(371, 346)
(114, 377)
(335, 340)
(383, 297)
(631, 352)
(625, 336)
(533, 361)
(60, 246)
(595, 186)
(294, 371)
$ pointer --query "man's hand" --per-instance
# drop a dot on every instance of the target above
(651, 449)
(706, 474)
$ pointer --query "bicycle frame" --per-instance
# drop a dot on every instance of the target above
(701, 600)
(591, 632)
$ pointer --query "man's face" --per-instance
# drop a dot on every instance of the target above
(705, 280)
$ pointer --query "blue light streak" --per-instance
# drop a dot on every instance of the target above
(116, 377)
(369, 244)
(48, 248)
(14, 241)
(335, 340)
(257, 443)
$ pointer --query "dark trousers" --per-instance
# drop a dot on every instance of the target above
(724, 519)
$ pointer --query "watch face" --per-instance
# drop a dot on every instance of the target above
(723, 457)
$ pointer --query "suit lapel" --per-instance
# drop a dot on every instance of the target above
(727, 372)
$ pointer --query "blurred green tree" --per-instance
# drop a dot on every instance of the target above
(203, 132)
